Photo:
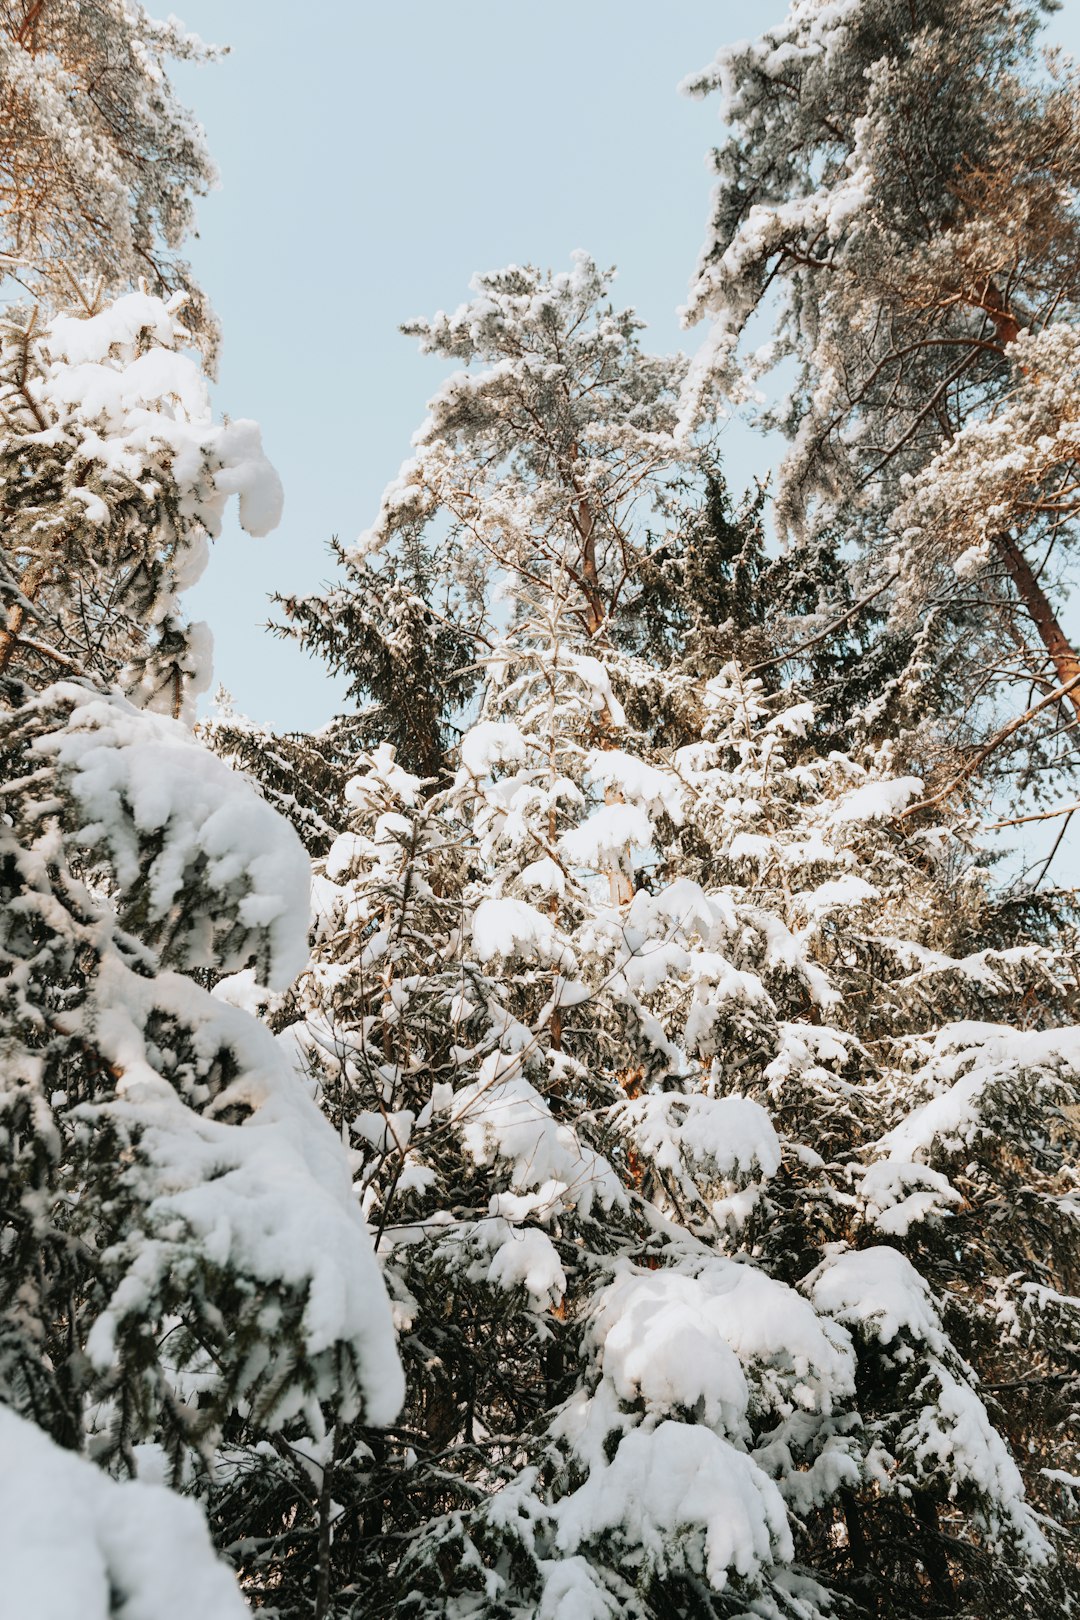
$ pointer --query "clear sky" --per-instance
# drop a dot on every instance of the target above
(373, 155)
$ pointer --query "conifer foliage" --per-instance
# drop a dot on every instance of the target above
(614, 1153)
(184, 1260)
(625, 1013)
(99, 162)
(897, 194)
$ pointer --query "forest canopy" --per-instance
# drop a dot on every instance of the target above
(590, 1130)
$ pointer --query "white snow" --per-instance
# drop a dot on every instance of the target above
(688, 1499)
(720, 1138)
(661, 1338)
(520, 1257)
(177, 823)
(636, 781)
(877, 801)
(502, 1117)
(124, 405)
(968, 1062)
(491, 742)
(878, 1291)
(602, 837)
(898, 1194)
(271, 1198)
(383, 778)
(74, 1542)
(848, 890)
(512, 928)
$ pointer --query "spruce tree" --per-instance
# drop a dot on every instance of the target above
(187, 1276)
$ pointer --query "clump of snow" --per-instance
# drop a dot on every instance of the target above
(848, 890)
(897, 1194)
(512, 928)
(661, 1338)
(491, 742)
(953, 1436)
(125, 392)
(793, 1356)
(270, 1199)
(544, 876)
(75, 1542)
(719, 1139)
(636, 781)
(572, 1592)
(969, 1063)
(597, 682)
(182, 833)
(602, 837)
(519, 1257)
(877, 801)
(687, 1499)
(384, 778)
(879, 1292)
(503, 1118)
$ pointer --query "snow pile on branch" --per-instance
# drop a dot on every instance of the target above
(704, 1142)
(513, 928)
(504, 1121)
(970, 1066)
(176, 825)
(269, 1199)
(122, 391)
(72, 1540)
(681, 1500)
(662, 1339)
(944, 1435)
(878, 1291)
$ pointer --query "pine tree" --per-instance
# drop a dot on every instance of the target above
(99, 163)
(623, 1010)
(895, 192)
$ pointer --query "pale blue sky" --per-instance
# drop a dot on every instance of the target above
(371, 162)
(373, 156)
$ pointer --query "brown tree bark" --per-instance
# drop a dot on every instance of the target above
(1060, 650)
(1062, 653)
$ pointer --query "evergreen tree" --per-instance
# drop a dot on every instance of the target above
(186, 1274)
(115, 477)
(623, 1011)
(896, 191)
(99, 163)
(398, 631)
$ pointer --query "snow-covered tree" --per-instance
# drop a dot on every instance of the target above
(115, 478)
(187, 1276)
(99, 163)
(897, 194)
(393, 632)
(618, 1009)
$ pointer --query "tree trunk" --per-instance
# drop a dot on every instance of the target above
(934, 1557)
(29, 585)
(1062, 653)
